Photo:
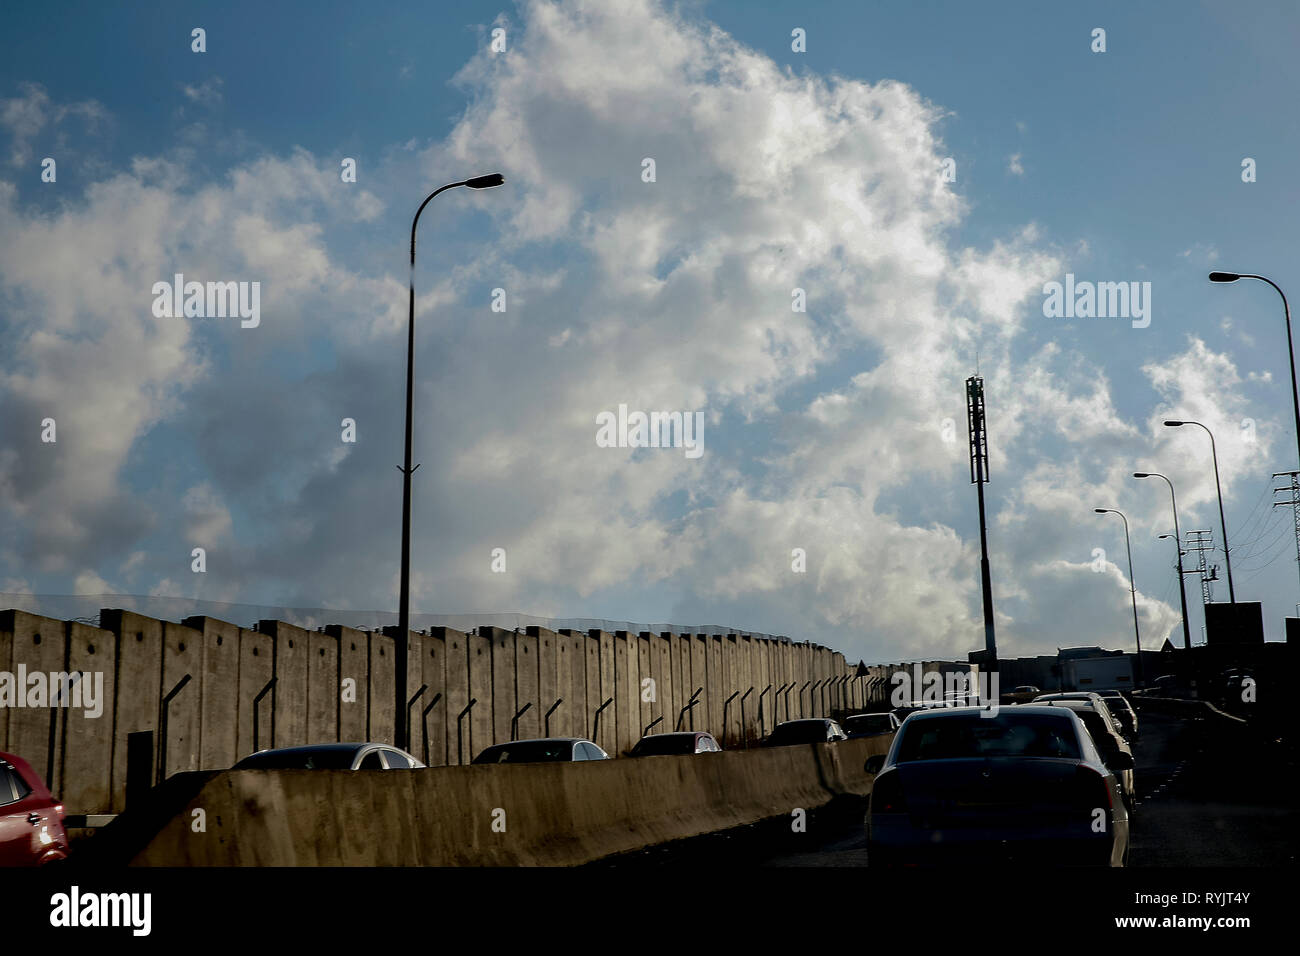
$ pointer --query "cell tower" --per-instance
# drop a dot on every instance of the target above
(979, 475)
(1294, 501)
(1203, 542)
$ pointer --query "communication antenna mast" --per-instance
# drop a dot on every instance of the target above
(979, 475)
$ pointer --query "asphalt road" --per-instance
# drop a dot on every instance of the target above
(1196, 806)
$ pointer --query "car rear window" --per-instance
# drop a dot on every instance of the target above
(332, 759)
(870, 724)
(1003, 735)
(527, 752)
(664, 744)
(800, 733)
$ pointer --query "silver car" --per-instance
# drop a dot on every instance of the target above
(358, 756)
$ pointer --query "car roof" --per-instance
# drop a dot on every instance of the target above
(679, 733)
(1073, 703)
(326, 748)
(541, 740)
(938, 713)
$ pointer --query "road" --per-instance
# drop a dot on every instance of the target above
(1195, 807)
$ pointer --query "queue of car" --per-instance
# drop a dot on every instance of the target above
(1048, 781)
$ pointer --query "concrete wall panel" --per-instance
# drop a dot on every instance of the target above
(182, 658)
(291, 649)
(478, 725)
(322, 688)
(430, 713)
(139, 678)
(86, 761)
(527, 684)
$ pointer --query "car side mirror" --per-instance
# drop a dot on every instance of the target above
(1123, 760)
(874, 763)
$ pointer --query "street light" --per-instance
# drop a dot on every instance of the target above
(404, 610)
(1232, 595)
(1290, 349)
(1132, 588)
(1182, 590)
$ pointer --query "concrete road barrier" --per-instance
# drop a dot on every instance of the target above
(504, 815)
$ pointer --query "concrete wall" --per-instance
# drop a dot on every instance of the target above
(220, 691)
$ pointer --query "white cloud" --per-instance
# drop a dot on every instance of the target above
(31, 114)
(824, 430)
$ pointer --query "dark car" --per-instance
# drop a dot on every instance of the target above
(1122, 708)
(1021, 694)
(361, 756)
(677, 742)
(1166, 685)
(1231, 684)
(809, 730)
(870, 725)
(31, 820)
(974, 786)
(1086, 695)
(542, 750)
(1108, 740)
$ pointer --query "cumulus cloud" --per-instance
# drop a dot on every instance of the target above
(838, 430)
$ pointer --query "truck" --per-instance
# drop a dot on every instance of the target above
(1098, 673)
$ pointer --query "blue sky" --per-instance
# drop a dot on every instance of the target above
(824, 431)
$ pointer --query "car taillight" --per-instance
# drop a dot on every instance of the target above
(58, 808)
(1092, 789)
(887, 794)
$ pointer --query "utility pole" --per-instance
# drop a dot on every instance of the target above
(1294, 489)
(1204, 541)
(979, 475)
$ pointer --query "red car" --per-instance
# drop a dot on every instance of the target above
(31, 821)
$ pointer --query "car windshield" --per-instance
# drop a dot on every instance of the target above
(870, 724)
(665, 744)
(527, 751)
(334, 758)
(973, 735)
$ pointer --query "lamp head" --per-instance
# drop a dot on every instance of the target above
(1175, 424)
(1140, 474)
(1224, 277)
(485, 182)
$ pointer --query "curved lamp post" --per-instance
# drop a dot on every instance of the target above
(400, 729)
(1182, 590)
(1290, 348)
(1132, 587)
(1227, 558)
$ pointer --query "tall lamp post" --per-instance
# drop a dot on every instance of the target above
(400, 728)
(1132, 587)
(1227, 557)
(1290, 348)
(1182, 590)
